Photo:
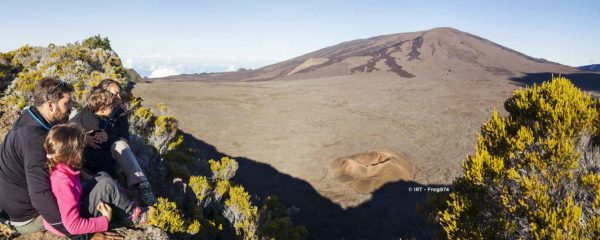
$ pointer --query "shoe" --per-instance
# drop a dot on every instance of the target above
(146, 196)
(139, 216)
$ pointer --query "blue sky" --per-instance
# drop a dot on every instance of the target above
(170, 37)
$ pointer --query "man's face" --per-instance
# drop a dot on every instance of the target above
(62, 109)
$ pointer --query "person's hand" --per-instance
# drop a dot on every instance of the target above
(106, 236)
(101, 136)
(91, 140)
(105, 209)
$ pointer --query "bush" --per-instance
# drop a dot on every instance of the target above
(23, 68)
(240, 211)
(96, 41)
(221, 188)
(530, 176)
(168, 217)
(275, 222)
(223, 170)
(200, 186)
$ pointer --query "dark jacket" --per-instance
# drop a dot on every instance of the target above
(119, 122)
(24, 179)
(97, 160)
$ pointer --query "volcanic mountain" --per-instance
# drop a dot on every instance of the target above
(437, 52)
(354, 135)
(593, 67)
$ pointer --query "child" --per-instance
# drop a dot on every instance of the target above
(108, 150)
(100, 201)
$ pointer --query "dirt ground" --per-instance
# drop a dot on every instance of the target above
(299, 127)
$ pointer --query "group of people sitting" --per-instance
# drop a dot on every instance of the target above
(72, 177)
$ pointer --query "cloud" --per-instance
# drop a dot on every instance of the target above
(160, 65)
(128, 63)
(163, 72)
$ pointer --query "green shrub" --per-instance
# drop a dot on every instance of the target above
(96, 41)
(223, 170)
(165, 124)
(221, 188)
(240, 211)
(275, 222)
(176, 170)
(168, 217)
(529, 178)
(175, 143)
(200, 186)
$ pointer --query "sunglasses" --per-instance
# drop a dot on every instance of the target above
(60, 84)
(115, 94)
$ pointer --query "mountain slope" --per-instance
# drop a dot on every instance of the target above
(431, 53)
(593, 67)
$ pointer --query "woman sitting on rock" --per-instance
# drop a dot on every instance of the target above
(107, 149)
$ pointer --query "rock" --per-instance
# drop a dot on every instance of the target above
(143, 232)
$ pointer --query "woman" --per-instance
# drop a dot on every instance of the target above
(109, 150)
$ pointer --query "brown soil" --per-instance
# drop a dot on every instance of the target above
(367, 172)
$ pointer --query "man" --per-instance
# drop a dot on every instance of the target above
(27, 198)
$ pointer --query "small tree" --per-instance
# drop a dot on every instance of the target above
(97, 41)
(529, 177)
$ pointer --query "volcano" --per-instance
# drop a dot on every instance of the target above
(354, 135)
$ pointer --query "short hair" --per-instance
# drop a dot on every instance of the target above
(50, 89)
(64, 144)
(104, 84)
(100, 99)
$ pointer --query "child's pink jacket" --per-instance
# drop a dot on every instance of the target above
(67, 190)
